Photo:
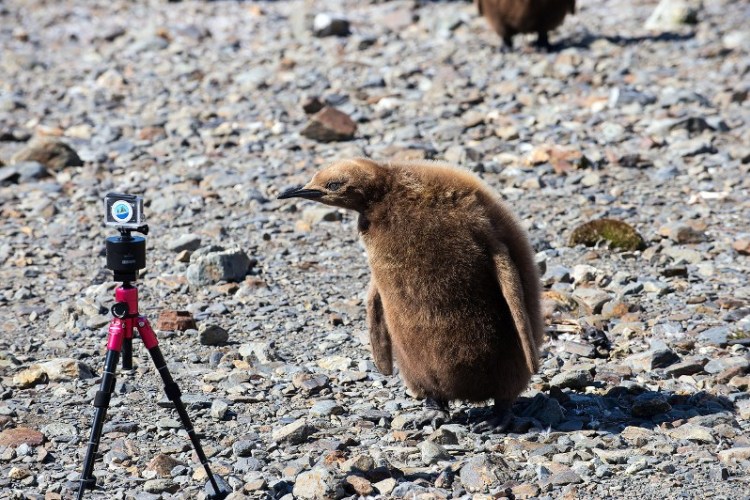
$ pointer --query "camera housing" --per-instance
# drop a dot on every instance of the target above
(123, 210)
(126, 254)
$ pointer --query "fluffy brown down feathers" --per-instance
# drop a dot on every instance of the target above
(454, 298)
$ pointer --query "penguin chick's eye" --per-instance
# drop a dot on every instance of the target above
(333, 186)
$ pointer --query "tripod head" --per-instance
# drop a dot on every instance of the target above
(126, 254)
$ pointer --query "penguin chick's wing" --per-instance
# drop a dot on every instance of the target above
(380, 339)
(512, 290)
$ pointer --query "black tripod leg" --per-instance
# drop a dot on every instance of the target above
(101, 403)
(173, 393)
(127, 353)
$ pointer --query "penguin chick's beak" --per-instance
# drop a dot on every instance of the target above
(300, 192)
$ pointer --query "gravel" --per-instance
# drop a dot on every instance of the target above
(211, 109)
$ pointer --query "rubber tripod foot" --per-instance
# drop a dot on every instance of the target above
(224, 489)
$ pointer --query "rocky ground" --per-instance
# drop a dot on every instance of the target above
(206, 109)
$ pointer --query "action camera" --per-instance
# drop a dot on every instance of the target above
(124, 210)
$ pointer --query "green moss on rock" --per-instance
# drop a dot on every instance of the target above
(616, 233)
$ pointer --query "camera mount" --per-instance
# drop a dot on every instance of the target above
(126, 255)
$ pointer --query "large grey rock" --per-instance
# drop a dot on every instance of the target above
(223, 265)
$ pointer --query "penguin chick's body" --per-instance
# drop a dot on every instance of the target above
(454, 297)
(509, 17)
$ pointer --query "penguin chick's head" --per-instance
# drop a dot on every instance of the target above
(352, 184)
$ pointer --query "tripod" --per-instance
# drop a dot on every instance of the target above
(124, 256)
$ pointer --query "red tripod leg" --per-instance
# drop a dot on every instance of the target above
(117, 332)
(173, 393)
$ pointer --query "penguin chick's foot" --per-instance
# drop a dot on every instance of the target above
(497, 421)
(435, 413)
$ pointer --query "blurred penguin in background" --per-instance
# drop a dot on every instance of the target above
(510, 17)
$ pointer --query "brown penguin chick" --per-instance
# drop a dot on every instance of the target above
(509, 17)
(455, 297)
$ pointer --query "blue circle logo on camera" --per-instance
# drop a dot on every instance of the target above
(122, 211)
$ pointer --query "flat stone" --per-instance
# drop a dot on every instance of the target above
(294, 433)
(21, 435)
(592, 298)
(637, 436)
(310, 382)
(681, 233)
(315, 215)
(360, 462)
(262, 352)
(443, 436)
(213, 335)
(329, 125)
(386, 486)
(742, 247)
(612, 456)
(163, 464)
(658, 357)
(325, 408)
(548, 411)
(60, 431)
(29, 377)
(216, 266)
(190, 242)
(360, 485)
(219, 409)
(479, 473)
(525, 491)
(328, 25)
(162, 485)
(718, 365)
(53, 154)
(314, 484)
(563, 478)
(19, 473)
(688, 367)
(649, 404)
(244, 447)
(733, 455)
(573, 379)
(432, 452)
(718, 335)
(170, 320)
(335, 363)
(692, 432)
(584, 350)
(55, 370)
